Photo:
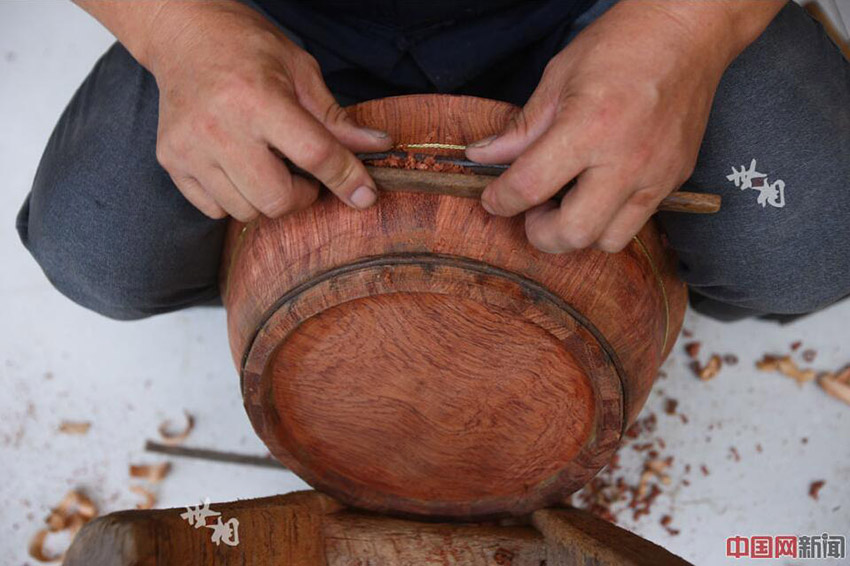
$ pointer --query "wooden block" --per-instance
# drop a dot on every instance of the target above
(311, 529)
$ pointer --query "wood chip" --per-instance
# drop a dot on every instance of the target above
(170, 437)
(815, 487)
(710, 369)
(74, 511)
(836, 385)
(153, 473)
(150, 498)
(71, 427)
(36, 548)
(73, 505)
(692, 349)
(786, 366)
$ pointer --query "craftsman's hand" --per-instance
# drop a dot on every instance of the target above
(233, 88)
(622, 110)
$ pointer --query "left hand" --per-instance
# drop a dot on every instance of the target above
(622, 109)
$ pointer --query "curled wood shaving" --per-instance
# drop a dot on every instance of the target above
(74, 511)
(837, 386)
(786, 366)
(74, 507)
(71, 427)
(653, 468)
(173, 439)
(36, 548)
(150, 498)
(710, 369)
(154, 473)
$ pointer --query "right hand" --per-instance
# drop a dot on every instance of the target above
(233, 88)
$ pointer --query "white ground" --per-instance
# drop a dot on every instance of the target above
(58, 361)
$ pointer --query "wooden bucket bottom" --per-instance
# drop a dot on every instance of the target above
(437, 386)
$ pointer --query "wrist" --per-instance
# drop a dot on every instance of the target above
(719, 29)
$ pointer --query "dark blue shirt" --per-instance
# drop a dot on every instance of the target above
(369, 49)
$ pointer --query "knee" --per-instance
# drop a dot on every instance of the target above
(80, 265)
(106, 253)
(761, 279)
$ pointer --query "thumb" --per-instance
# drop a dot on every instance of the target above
(525, 126)
(314, 96)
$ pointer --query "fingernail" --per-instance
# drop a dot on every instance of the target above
(363, 197)
(376, 133)
(487, 207)
(483, 142)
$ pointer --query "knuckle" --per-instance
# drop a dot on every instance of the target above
(578, 237)
(308, 62)
(519, 123)
(524, 187)
(335, 114)
(611, 245)
(277, 207)
(543, 241)
(217, 213)
(163, 155)
(246, 215)
(578, 234)
(317, 154)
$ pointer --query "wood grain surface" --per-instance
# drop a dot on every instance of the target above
(421, 358)
(311, 529)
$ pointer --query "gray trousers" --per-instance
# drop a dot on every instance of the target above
(112, 232)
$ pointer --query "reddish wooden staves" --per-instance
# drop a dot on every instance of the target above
(420, 357)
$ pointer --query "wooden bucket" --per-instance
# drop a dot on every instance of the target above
(420, 357)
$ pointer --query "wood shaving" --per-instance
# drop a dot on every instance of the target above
(843, 376)
(420, 163)
(153, 473)
(149, 498)
(173, 439)
(786, 366)
(837, 386)
(74, 511)
(71, 427)
(73, 506)
(665, 522)
(815, 487)
(692, 349)
(710, 369)
(36, 548)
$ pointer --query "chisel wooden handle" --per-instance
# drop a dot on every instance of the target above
(471, 186)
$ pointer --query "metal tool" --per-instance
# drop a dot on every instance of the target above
(471, 185)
